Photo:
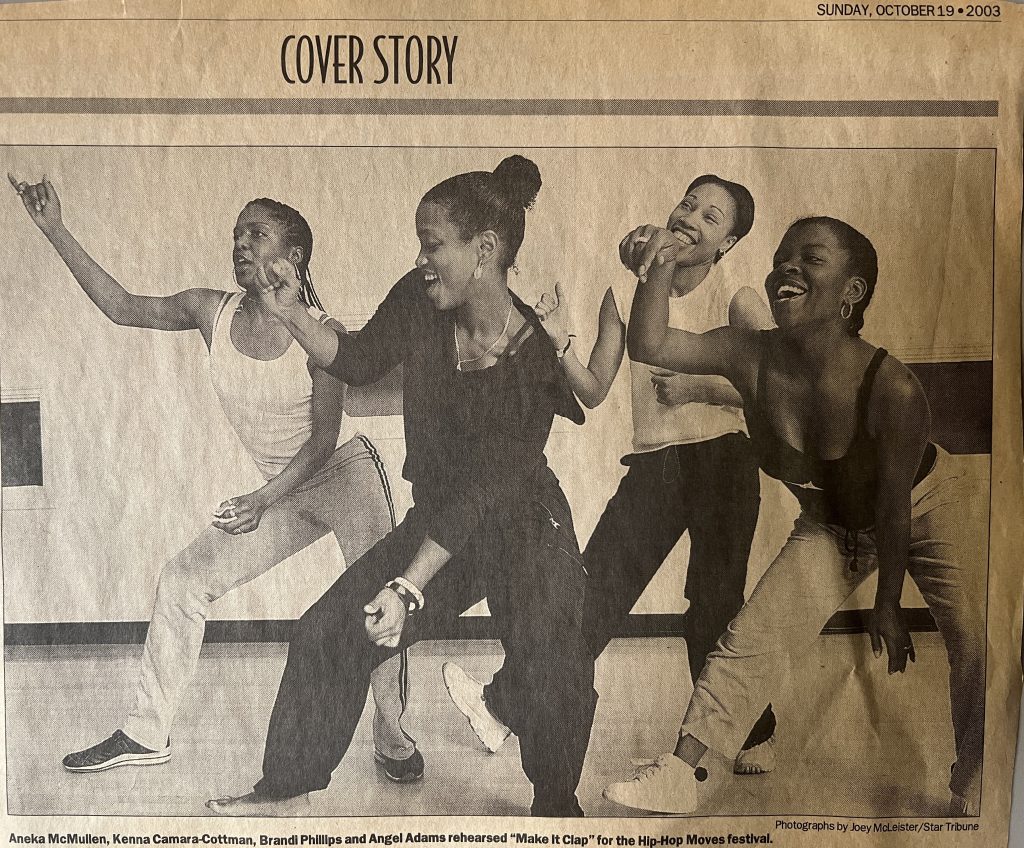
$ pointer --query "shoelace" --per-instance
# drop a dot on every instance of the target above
(640, 766)
(643, 773)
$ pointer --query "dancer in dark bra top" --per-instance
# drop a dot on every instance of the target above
(840, 491)
(890, 499)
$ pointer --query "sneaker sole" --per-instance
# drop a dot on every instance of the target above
(410, 778)
(154, 759)
(621, 803)
(470, 715)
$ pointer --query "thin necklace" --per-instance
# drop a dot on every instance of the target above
(494, 344)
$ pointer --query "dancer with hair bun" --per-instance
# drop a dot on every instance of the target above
(288, 415)
(481, 386)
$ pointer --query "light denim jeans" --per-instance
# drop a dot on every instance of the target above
(811, 578)
(350, 497)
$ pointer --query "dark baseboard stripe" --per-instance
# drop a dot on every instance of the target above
(474, 627)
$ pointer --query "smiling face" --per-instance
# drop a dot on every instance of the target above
(703, 223)
(810, 277)
(259, 239)
(446, 259)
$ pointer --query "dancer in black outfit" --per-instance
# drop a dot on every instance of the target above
(481, 387)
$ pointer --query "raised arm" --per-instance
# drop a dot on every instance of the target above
(726, 351)
(192, 309)
(901, 422)
(590, 382)
(746, 311)
(355, 359)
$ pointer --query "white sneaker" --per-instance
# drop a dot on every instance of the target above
(666, 786)
(468, 694)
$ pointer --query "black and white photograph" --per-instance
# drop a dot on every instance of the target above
(480, 481)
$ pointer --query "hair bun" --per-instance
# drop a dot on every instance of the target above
(518, 179)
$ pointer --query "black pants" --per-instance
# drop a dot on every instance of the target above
(711, 489)
(527, 564)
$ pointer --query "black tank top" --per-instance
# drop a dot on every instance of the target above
(832, 491)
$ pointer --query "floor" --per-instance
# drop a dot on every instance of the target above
(852, 741)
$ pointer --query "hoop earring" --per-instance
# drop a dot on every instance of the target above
(846, 310)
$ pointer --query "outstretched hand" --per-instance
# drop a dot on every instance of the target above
(646, 247)
(553, 312)
(887, 624)
(41, 202)
(278, 286)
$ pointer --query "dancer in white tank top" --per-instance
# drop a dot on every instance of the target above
(288, 416)
(691, 468)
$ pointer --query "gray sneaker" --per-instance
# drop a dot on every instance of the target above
(117, 750)
(408, 770)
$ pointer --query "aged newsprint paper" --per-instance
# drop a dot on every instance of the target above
(589, 424)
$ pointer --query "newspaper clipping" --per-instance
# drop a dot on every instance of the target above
(544, 423)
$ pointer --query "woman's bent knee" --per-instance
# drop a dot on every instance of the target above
(179, 585)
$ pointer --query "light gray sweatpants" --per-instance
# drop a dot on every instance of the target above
(350, 497)
(811, 578)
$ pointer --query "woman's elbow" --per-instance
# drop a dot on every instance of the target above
(643, 350)
(320, 446)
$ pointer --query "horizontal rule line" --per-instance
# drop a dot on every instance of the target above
(815, 20)
(498, 107)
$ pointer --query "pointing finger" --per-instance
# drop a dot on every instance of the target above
(559, 292)
(18, 187)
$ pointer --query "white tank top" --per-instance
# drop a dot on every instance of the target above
(655, 425)
(269, 404)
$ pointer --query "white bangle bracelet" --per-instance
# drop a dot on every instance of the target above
(411, 588)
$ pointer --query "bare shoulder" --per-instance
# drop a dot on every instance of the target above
(201, 304)
(897, 398)
(895, 382)
(748, 310)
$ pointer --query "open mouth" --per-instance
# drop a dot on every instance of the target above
(789, 291)
(687, 237)
(432, 280)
